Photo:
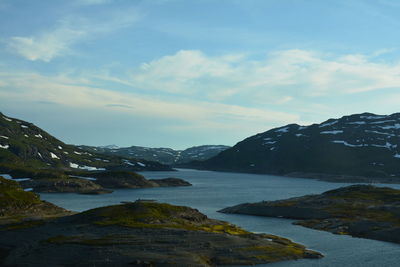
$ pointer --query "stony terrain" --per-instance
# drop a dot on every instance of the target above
(140, 233)
(360, 147)
(166, 156)
(94, 182)
(16, 204)
(360, 210)
(23, 144)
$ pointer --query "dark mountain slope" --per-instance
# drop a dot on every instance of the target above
(358, 145)
(25, 145)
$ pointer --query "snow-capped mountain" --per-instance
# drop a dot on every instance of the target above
(167, 156)
(365, 145)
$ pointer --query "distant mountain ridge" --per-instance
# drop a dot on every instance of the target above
(166, 156)
(24, 144)
(366, 145)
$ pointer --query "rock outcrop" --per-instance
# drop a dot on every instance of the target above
(17, 205)
(142, 233)
(360, 210)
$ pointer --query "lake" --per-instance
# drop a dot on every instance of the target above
(212, 191)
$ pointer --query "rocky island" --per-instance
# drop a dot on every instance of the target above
(84, 182)
(360, 210)
(98, 182)
(141, 233)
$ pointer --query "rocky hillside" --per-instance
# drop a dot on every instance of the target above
(365, 145)
(167, 156)
(142, 233)
(16, 204)
(24, 144)
(359, 210)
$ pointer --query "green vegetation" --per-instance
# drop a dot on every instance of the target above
(18, 206)
(273, 252)
(366, 193)
(22, 225)
(14, 198)
(21, 171)
(160, 215)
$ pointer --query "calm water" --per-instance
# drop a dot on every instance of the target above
(212, 191)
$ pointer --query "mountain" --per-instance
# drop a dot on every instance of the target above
(360, 145)
(23, 144)
(167, 156)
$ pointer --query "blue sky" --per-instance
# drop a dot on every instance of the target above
(178, 73)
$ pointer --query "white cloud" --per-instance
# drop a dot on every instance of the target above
(232, 92)
(281, 76)
(75, 93)
(58, 41)
(46, 46)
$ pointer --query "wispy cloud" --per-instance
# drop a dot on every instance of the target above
(57, 41)
(192, 90)
(280, 76)
(72, 93)
(46, 46)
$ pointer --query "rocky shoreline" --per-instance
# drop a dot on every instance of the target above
(360, 210)
(335, 178)
(140, 233)
(96, 182)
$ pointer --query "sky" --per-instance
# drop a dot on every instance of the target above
(180, 73)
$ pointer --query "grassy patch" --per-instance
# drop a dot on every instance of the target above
(274, 252)
(23, 225)
(366, 193)
(12, 196)
(160, 215)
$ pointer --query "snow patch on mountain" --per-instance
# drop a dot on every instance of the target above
(373, 117)
(347, 144)
(328, 124)
(395, 126)
(332, 132)
(54, 156)
(282, 130)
